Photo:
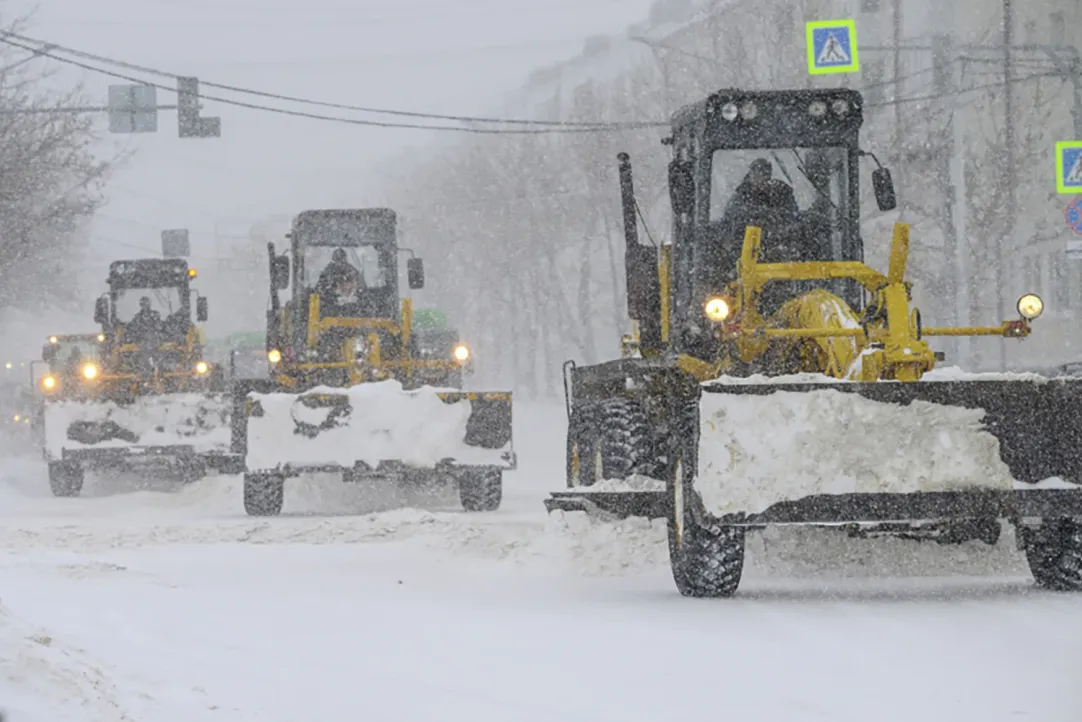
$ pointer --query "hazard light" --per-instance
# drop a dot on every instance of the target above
(192, 273)
(48, 383)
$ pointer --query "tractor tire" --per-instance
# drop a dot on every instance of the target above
(706, 557)
(65, 478)
(1054, 553)
(612, 439)
(264, 494)
(481, 490)
(581, 442)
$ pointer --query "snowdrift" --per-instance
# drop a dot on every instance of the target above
(369, 423)
(195, 420)
(756, 451)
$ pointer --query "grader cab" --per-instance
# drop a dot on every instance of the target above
(348, 392)
(778, 379)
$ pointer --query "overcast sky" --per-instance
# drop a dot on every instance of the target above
(447, 57)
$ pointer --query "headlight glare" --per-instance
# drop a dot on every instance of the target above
(90, 372)
(274, 355)
(716, 309)
(462, 352)
(201, 367)
(1030, 306)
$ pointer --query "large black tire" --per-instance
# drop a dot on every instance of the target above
(1054, 553)
(581, 441)
(65, 478)
(706, 558)
(612, 439)
(264, 494)
(481, 490)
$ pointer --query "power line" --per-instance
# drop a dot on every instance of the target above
(554, 127)
(319, 103)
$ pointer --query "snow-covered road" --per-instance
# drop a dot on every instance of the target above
(174, 606)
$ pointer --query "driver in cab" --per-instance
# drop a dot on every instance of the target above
(339, 282)
(145, 324)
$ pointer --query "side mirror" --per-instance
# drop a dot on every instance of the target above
(883, 185)
(415, 272)
(101, 311)
(281, 272)
(201, 311)
(681, 187)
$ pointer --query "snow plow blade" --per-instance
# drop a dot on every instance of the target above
(926, 450)
(935, 450)
(191, 428)
(371, 428)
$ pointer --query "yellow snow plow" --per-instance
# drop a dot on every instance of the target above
(141, 396)
(775, 378)
(348, 393)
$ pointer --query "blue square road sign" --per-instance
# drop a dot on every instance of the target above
(1069, 167)
(832, 47)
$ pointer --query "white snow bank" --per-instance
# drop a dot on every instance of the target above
(757, 451)
(166, 420)
(42, 680)
(385, 423)
(635, 482)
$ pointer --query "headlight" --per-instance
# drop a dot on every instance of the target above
(101, 337)
(750, 111)
(462, 352)
(716, 309)
(840, 107)
(17, 418)
(49, 382)
(817, 109)
(52, 339)
(729, 111)
(201, 368)
(274, 355)
(90, 372)
(1030, 306)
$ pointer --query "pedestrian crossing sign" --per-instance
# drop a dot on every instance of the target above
(1069, 167)
(832, 47)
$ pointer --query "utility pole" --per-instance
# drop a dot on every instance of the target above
(899, 136)
(1010, 176)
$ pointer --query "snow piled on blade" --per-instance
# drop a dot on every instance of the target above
(382, 422)
(635, 482)
(197, 420)
(756, 451)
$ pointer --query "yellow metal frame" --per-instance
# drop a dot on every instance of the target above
(893, 343)
(374, 364)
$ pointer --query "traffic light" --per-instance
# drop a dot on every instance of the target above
(189, 124)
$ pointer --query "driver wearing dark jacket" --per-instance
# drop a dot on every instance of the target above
(146, 323)
(339, 278)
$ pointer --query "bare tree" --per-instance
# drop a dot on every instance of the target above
(50, 183)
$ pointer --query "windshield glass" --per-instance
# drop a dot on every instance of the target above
(797, 192)
(166, 301)
(67, 349)
(364, 259)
